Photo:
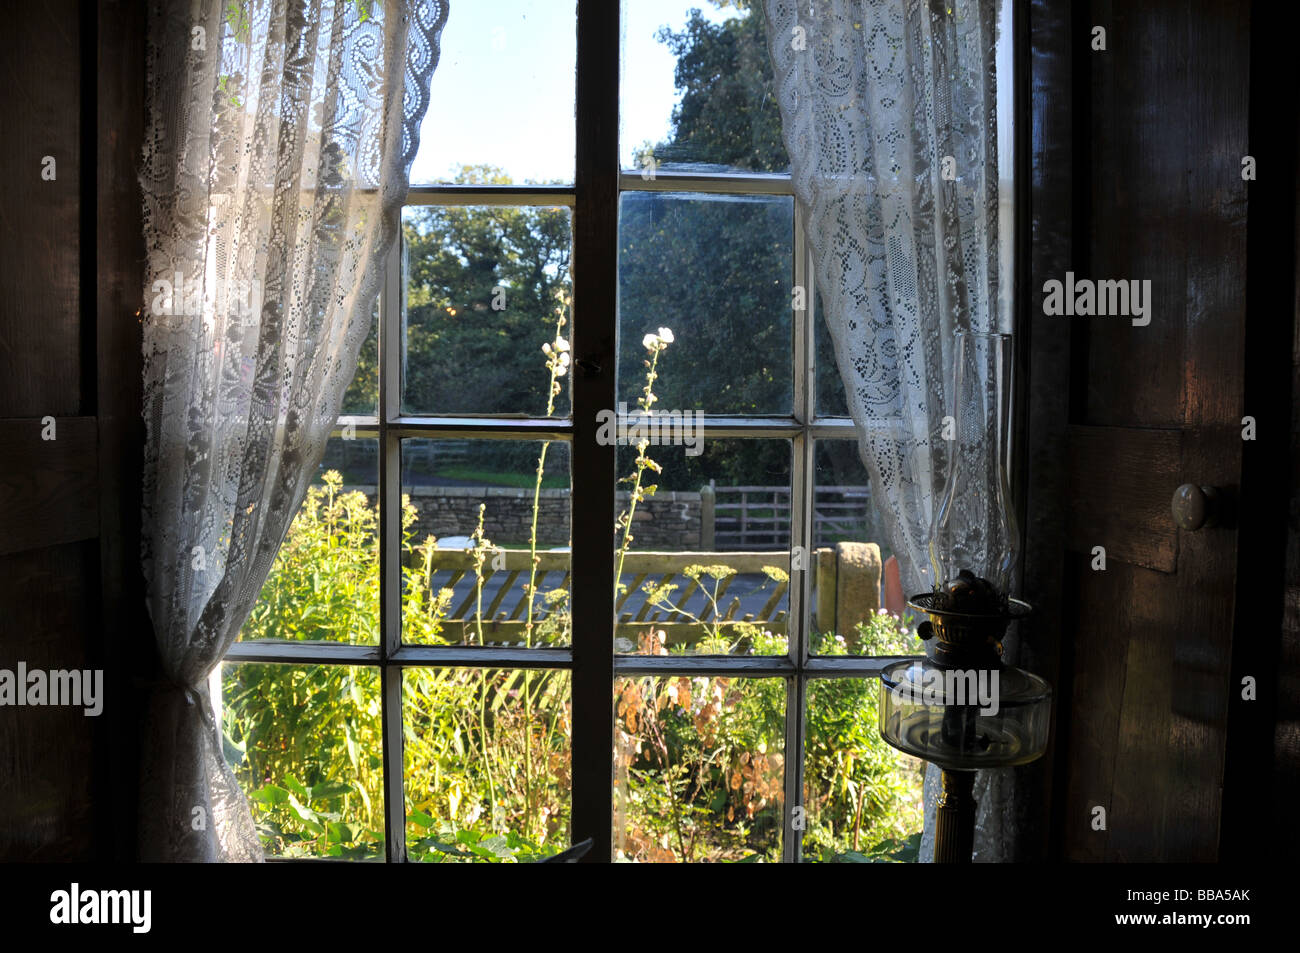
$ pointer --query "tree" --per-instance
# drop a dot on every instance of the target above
(715, 269)
(480, 302)
(728, 115)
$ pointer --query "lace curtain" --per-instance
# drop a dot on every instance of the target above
(279, 140)
(888, 112)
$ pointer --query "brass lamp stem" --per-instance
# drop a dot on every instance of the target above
(954, 819)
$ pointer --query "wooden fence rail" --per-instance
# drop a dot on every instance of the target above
(505, 603)
(750, 516)
(688, 619)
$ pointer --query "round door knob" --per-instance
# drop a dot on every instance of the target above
(1195, 506)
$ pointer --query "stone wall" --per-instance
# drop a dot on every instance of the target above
(669, 520)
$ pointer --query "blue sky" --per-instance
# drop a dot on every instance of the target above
(503, 90)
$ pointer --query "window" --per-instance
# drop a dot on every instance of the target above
(705, 711)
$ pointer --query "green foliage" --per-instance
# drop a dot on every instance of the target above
(326, 587)
(855, 785)
(487, 769)
(308, 739)
(891, 850)
(481, 286)
(698, 767)
(727, 114)
(716, 269)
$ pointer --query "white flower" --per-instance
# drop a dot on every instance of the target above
(650, 342)
(561, 345)
(546, 349)
(666, 335)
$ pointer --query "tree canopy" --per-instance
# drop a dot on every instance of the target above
(717, 270)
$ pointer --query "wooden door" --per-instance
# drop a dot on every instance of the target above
(1145, 612)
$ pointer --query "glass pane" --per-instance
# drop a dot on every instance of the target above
(862, 797)
(706, 568)
(305, 744)
(849, 560)
(696, 90)
(503, 93)
(362, 395)
(481, 299)
(324, 583)
(698, 769)
(831, 401)
(487, 769)
(716, 271)
(466, 582)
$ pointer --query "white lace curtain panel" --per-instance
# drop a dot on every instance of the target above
(279, 140)
(888, 111)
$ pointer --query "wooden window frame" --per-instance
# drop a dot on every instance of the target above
(594, 197)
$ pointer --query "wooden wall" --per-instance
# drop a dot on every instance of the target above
(70, 593)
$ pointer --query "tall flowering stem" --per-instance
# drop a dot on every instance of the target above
(557, 362)
(481, 546)
(655, 344)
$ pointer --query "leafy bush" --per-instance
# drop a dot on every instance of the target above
(699, 762)
(306, 740)
(857, 789)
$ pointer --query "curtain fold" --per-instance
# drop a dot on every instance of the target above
(888, 112)
(278, 145)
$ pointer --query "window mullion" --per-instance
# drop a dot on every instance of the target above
(595, 284)
(792, 833)
(800, 575)
(491, 195)
(727, 183)
(802, 539)
(390, 553)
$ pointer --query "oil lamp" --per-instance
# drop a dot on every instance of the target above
(960, 707)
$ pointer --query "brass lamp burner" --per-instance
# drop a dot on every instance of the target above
(966, 622)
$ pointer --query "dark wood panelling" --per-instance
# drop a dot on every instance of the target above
(47, 621)
(48, 489)
(1095, 698)
(1157, 406)
(1138, 201)
(1133, 638)
(70, 348)
(1120, 483)
(40, 327)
